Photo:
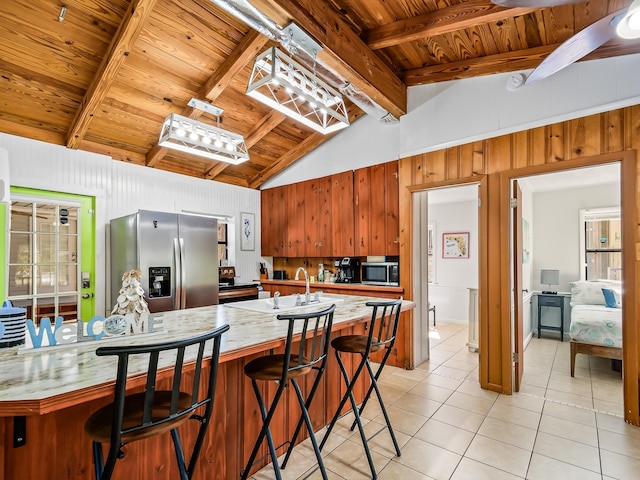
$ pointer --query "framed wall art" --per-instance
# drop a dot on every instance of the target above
(247, 231)
(455, 245)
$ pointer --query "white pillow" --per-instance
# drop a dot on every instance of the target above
(590, 292)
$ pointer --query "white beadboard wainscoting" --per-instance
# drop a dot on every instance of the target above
(451, 301)
(121, 188)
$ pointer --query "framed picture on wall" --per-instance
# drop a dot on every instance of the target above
(455, 245)
(247, 231)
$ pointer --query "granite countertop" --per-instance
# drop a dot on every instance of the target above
(36, 381)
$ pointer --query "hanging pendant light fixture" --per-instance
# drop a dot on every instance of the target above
(283, 84)
(192, 136)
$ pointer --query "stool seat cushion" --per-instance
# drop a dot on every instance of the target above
(270, 367)
(355, 344)
(98, 426)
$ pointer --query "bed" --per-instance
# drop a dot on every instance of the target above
(596, 320)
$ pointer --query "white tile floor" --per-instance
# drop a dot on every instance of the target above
(449, 428)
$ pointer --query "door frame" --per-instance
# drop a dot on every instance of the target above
(86, 232)
(409, 266)
(628, 187)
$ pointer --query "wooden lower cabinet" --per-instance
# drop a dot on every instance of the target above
(399, 357)
(57, 447)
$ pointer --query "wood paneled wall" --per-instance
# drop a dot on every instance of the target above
(602, 138)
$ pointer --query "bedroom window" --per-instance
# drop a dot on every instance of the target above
(602, 244)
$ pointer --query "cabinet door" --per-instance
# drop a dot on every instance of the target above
(362, 186)
(392, 209)
(266, 219)
(342, 216)
(310, 217)
(273, 217)
(377, 214)
(323, 235)
(295, 202)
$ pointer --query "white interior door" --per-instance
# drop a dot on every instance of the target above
(420, 281)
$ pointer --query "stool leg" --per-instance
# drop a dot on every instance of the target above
(374, 383)
(312, 393)
(98, 459)
(349, 394)
(344, 399)
(377, 375)
(177, 445)
(307, 420)
(264, 432)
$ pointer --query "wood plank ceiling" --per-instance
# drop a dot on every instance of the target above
(106, 77)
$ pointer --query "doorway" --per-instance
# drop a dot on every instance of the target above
(445, 269)
(553, 241)
(51, 254)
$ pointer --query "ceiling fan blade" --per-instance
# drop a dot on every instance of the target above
(532, 3)
(581, 44)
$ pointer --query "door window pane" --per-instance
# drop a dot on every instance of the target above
(43, 265)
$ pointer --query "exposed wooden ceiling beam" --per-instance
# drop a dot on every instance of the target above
(507, 62)
(116, 153)
(246, 50)
(27, 131)
(346, 53)
(127, 33)
(267, 123)
(297, 152)
(438, 22)
(490, 64)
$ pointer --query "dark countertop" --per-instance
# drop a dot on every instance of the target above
(237, 286)
(336, 286)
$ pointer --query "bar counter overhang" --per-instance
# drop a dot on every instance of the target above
(58, 388)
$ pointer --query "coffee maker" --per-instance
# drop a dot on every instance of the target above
(348, 270)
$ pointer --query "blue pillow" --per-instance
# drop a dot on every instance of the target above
(609, 298)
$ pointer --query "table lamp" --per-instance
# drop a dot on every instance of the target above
(549, 277)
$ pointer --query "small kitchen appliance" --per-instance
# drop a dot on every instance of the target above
(348, 270)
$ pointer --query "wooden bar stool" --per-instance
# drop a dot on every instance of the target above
(134, 417)
(315, 327)
(382, 335)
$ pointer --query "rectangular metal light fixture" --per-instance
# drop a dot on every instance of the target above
(191, 136)
(283, 84)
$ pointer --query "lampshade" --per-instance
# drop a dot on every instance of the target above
(550, 277)
(191, 136)
(629, 26)
(283, 84)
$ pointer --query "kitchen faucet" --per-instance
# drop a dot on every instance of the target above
(307, 293)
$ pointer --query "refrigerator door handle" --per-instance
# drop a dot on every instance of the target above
(177, 274)
(183, 276)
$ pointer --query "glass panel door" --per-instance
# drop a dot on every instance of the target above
(43, 259)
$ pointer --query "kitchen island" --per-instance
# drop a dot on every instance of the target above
(53, 391)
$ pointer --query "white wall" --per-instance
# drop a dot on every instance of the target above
(556, 229)
(121, 188)
(457, 112)
(454, 276)
(527, 266)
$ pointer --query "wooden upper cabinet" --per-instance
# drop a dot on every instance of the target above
(273, 215)
(342, 215)
(362, 188)
(377, 228)
(295, 202)
(392, 209)
(317, 217)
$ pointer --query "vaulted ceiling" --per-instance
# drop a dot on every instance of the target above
(105, 77)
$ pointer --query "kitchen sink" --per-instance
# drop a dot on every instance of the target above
(285, 304)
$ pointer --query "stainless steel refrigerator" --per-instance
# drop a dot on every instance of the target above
(177, 255)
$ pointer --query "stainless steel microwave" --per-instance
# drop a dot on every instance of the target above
(380, 273)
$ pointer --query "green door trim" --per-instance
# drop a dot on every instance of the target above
(87, 241)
